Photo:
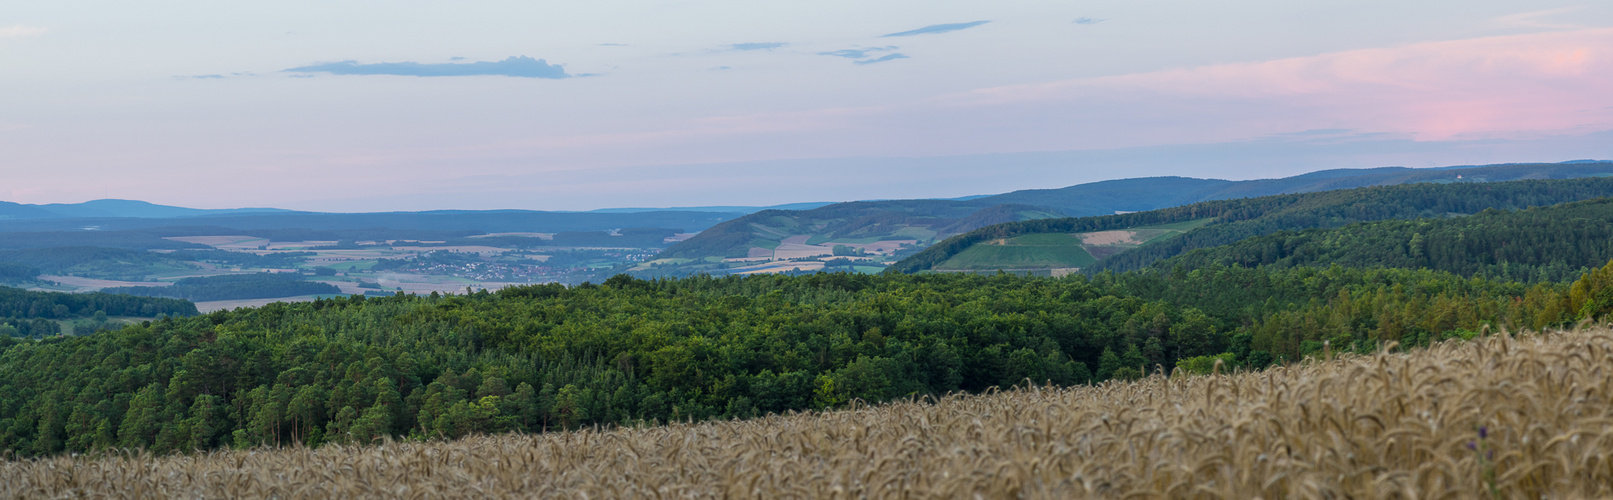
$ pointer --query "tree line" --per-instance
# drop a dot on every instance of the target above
(19, 303)
(1556, 243)
(546, 357)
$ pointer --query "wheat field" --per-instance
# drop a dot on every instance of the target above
(1502, 417)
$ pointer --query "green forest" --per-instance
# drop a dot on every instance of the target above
(548, 357)
(1556, 243)
(1347, 271)
(1235, 220)
(36, 314)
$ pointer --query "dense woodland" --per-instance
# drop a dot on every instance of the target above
(1236, 220)
(97, 262)
(549, 357)
(57, 305)
(1557, 243)
(15, 272)
(546, 357)
(35, 314)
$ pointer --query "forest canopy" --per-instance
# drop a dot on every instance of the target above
(548, 357)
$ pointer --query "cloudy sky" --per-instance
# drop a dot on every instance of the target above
(356, 105)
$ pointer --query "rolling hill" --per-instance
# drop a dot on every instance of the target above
(1152, 193)
(1228, 221)
(1555, 243)
(921, 223)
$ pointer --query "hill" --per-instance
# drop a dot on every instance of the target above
(1555, 243)
(1498, 417)
(746, 241)
(1135, 195)
(867, 229)
(464, 221)
(1139, 239)
(140, 209)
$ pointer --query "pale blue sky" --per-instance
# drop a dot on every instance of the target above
(307, 105)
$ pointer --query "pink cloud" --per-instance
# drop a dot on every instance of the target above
(1497, 86)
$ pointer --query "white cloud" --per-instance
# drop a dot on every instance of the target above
(19, 31)
(1539, 19)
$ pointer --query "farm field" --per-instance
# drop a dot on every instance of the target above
(1009, 256)
(353, 267)
(1496, 417)
(1045, 251)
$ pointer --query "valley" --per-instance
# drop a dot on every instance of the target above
(203, 339)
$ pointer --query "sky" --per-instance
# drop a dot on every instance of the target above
(357, 106)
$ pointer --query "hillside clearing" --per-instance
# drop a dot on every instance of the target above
(990, 257)
(1525, 417)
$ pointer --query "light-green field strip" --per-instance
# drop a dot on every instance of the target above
(1022, 256)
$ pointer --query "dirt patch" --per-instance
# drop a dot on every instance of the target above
(798, 251)
(780, 266)
(759, 253)
(226, 305)
(880, 247)
(545, 236)
(1110, 238)
(216, 241)
(461, 249)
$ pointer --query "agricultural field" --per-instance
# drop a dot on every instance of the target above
(800, 253)
(1059, 251)
(351, 267)
(1495, 417)
(1013, 255)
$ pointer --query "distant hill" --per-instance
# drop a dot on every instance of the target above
(140, 209)
(1151, 193)
(12, 211)
(924, 222)
(726, 209)
(1135, 240)
(858, 224)
(492, 221)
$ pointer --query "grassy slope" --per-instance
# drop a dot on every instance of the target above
(988, 257)
(1228, 221)
(925, 220)
(1497, 417)
(1051, 250)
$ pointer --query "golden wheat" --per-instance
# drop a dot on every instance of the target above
(1499, 416)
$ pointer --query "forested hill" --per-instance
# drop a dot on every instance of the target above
(1555, 243)
(19, 303)
(545, 357)
(856, 221)
(1228, 221)
(928, 221)
(1103, 198)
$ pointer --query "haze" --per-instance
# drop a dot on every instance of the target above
(375, 106)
